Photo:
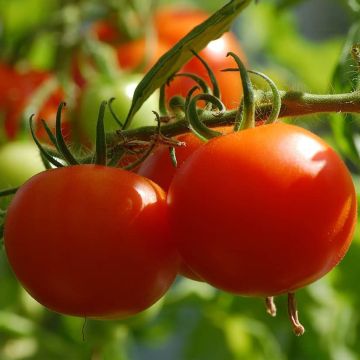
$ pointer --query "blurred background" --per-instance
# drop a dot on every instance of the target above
(87, 51)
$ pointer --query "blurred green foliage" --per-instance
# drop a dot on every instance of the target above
(194, 321)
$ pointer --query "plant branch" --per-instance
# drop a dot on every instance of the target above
(293, 104)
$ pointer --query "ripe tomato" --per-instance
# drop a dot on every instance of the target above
(263, 211)
(91, 241)
(172, 24)
(159, 168)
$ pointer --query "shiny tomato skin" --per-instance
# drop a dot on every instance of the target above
(264, 211)
(91, 241)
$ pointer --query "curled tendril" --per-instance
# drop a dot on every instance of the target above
(200, 82)
(248, 107)
(198, 127)
(276, 106)
(214, 83)
(189, 96)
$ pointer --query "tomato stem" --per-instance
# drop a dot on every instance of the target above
(270, 306)
(197, 126)
(293, 315)
(293, 104)
(8, 192)
(100, 145)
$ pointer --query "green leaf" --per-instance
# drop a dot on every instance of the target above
(195, 40)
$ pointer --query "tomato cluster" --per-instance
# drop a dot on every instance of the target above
(258, 212)
(96, 241)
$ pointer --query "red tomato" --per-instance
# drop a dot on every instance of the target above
(106, 31)
(131, 54)
(16, 90)
(263, 211)
(172, 24)
(91, 241)
(159, 168)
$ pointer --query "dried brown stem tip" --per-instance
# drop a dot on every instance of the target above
(270, 306)
(293, 315)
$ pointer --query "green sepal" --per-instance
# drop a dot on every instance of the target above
(248, 107)
(42, 150)
(61, 145)
(214, 83)
(172, 152)
(100, 147)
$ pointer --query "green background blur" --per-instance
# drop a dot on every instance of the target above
(300, 45)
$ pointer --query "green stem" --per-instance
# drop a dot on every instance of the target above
(294, 104)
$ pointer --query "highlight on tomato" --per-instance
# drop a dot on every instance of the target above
(263, 211)
(91, 241)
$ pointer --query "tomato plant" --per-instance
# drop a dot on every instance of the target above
(263, 211)
(122, 89)
(91, 241)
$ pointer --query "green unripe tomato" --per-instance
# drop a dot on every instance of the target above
(122, 89)
(19, 160)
